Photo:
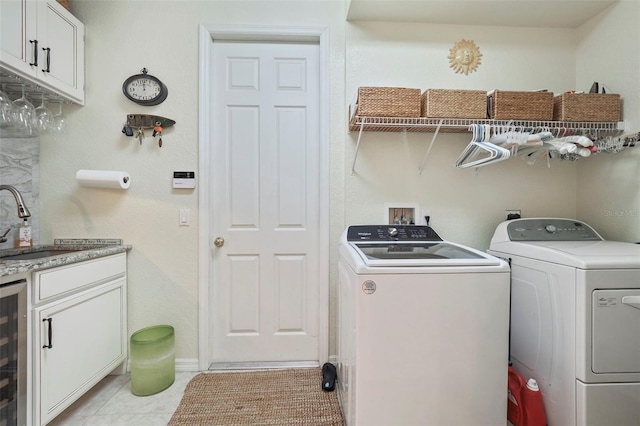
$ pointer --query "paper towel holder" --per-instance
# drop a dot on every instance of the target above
(103, 179)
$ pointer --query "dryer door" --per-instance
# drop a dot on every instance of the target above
(616, 331)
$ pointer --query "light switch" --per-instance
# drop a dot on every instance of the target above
(185, 217)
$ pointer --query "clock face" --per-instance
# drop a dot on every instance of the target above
(144, 89)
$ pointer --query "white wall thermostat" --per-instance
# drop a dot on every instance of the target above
(184, 180)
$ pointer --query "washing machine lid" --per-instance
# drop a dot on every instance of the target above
(421, 254)
(411, 245)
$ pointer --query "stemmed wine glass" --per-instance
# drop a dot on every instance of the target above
(60, 121)
(44, 117)
(26, 114)
(7, 111)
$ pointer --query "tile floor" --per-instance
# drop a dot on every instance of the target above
(111, 403)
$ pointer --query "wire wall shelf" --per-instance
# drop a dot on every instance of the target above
(460, 125)
(463, 125)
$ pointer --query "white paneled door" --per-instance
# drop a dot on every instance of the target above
(265, 193)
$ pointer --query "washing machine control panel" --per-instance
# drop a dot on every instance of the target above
(406, 233)
(551, 230)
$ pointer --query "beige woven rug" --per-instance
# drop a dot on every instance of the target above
(272, 397)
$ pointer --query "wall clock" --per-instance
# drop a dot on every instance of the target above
(464, 57)
(145, 89)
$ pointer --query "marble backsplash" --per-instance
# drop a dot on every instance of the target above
(19, 167)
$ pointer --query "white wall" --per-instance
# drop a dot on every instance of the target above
(123, 37)
(608, 186)
(465, 205)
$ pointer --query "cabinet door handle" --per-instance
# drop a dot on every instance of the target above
(50, 334)
(35, 53)
(48, 49)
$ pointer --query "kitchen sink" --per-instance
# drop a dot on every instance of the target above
(35, 254)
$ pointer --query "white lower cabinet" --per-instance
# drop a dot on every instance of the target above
(80, 336)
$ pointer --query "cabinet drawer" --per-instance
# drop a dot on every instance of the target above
(57, 281)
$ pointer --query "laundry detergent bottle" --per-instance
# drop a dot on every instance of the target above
(533, 406)
(524, 405)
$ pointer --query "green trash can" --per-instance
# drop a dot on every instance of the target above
(153, 360)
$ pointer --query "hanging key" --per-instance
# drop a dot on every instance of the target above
(157, 131)
(127, 130)
(140, 134)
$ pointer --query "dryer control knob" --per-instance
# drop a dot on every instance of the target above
(392, 231)
(550, 229)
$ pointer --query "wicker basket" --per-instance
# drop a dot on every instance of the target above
(66, 4)
(509, 105)
(388, 102)
(445, 103)
(586, 107)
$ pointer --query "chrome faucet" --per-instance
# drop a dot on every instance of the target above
(23, 211)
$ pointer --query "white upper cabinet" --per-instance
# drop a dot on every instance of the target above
(41, 41)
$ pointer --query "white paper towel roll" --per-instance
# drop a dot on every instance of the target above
(103, 179)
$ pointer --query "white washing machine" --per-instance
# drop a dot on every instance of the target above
(423, 329)
(575, 319)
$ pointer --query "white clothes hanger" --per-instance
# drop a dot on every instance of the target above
(481, 147)
(578, 140)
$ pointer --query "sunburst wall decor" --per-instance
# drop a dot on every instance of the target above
(464, 57)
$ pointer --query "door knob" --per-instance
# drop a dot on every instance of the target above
(218, 242)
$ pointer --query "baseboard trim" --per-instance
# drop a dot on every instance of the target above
(182, 364)
(225, 366)
(192, 364)
(187, 364)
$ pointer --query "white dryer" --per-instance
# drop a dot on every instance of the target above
(575, 318)
(423, 329)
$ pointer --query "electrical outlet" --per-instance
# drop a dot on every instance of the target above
(426, 216)
(512, 214)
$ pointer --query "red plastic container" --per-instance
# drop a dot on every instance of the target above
(524, 406)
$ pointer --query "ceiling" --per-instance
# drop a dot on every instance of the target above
(520, 13)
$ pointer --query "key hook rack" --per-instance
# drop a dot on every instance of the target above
(137, 123)
(148, 121)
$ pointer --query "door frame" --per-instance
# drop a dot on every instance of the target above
(251, 33)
